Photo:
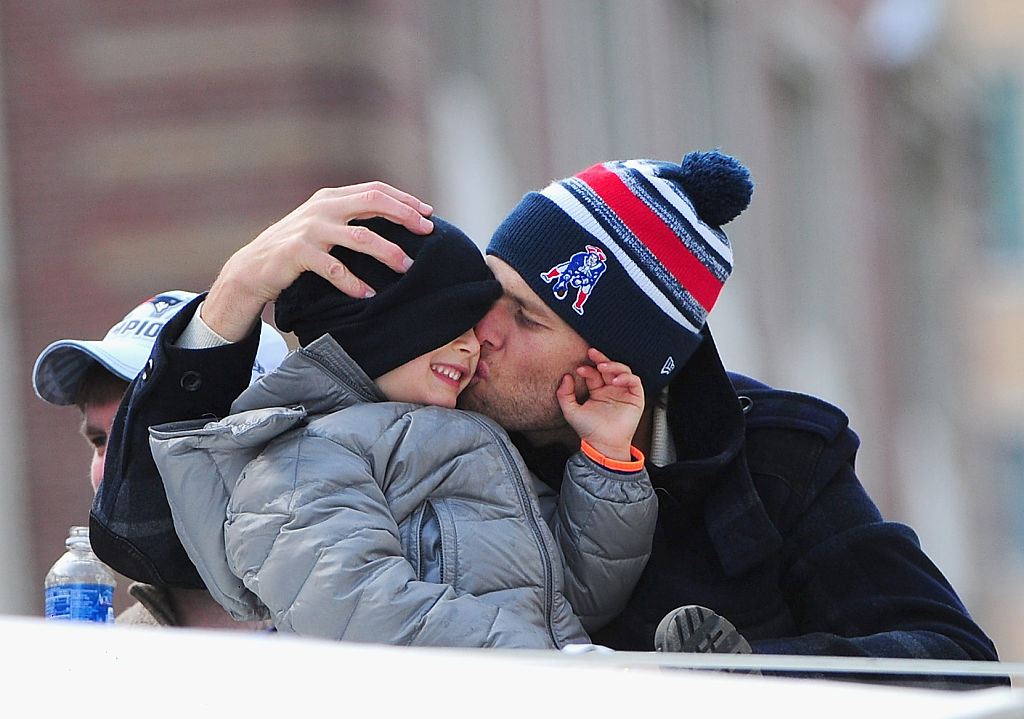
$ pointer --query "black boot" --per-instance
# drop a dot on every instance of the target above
(698, 629)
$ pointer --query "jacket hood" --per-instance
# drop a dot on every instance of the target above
(320, 376)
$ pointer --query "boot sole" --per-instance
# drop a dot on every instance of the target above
(699, 630)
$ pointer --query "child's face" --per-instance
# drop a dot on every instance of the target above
(436, 377)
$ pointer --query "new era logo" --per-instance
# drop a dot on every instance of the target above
(670, 364)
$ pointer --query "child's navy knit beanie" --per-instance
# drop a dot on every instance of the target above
(447, 291)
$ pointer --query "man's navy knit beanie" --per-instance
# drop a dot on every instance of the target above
(447, 291)
(631, 254)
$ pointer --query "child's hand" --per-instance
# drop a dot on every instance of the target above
(608, 418)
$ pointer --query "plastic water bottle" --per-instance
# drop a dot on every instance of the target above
(79, 586)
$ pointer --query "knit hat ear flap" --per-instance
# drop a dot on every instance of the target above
(631, 254)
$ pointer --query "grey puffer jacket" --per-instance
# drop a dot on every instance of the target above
(354, 518)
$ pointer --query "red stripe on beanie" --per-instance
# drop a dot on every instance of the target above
(659, 238)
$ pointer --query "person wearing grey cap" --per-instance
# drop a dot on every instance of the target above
(93, 375)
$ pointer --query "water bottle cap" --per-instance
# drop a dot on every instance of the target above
(77, 536)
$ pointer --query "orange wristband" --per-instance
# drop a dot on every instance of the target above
(634, 465)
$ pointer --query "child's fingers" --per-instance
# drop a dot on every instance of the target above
(566, 394)
(621, 378)
(613, 369)
(630, 383)
(624, 386)
(617, 374)
(610, 374)
(606, 366)
(592, 376)
(597, 355)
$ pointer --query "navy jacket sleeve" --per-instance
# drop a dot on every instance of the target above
(782, 539)
(859, 585)
(130, 523)
(854, 583)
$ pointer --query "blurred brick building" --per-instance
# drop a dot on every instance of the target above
(147, 141)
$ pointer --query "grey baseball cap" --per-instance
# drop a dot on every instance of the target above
(126, 348)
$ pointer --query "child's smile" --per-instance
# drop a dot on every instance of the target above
(435, 377)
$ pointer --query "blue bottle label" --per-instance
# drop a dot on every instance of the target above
(82, 602)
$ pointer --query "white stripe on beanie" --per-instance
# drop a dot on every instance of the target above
(675, 195)
(584, 217)
(646, 261)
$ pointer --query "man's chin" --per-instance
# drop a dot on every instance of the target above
(511, 414)
(468, 399)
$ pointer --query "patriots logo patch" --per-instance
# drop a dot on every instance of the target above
(161, 303)
(581, 271)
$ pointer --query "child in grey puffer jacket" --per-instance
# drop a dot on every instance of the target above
(353, 502)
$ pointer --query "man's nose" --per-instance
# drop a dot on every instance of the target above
(488, 329)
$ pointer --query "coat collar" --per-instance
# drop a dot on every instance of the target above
(320, 376)
(709, 430)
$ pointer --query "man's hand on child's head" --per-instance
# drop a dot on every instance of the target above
(302, 240)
